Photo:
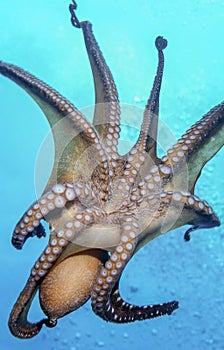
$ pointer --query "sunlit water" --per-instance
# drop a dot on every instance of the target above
(38, 36)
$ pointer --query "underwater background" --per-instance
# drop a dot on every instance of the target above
(39, 37)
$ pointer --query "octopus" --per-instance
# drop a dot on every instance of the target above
(103, 207)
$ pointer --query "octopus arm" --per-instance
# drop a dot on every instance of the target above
(161, 213)
(45, 208)
(73, 135)
(143, 154)
(107, 110)
(18, 323)
(106, 300)
(172, 210)
(148, 135)
(123, 312)
(197, 146)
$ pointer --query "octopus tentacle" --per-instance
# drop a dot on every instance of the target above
(18, 323)
(107, 110)
(199, 144)
(53, 200)
(74, 19)
(126, 312)
(143, 154)
(169, 210)
(106, 300)
(73, 135)
(148, 134)
(100, 296)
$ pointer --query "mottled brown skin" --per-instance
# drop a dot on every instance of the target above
(98, 200)
(68, 284)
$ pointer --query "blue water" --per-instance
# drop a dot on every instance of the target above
(38, 36)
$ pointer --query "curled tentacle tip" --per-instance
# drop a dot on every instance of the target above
(187, 236)
(161, 43)
(74, 4)
(74, 19)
